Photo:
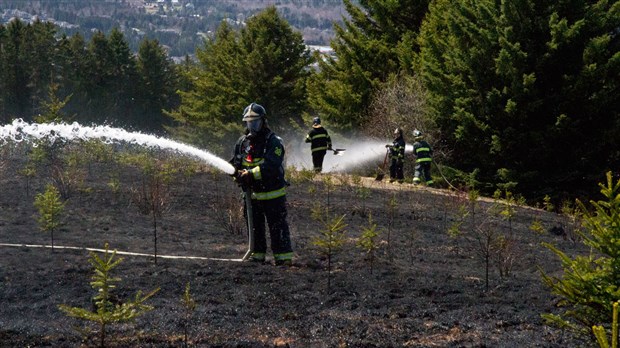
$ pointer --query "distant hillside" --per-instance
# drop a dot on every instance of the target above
(180, 25)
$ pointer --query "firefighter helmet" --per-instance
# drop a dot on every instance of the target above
(316, 120)
(417, 134)
(254, 112)
(398, 132)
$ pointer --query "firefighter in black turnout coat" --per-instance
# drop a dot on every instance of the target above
(320, 142)
(258, 161)
(424, 157)
(397, 156)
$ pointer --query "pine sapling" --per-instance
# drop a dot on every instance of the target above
(368, 242)
(505, 245)
(107, 312)
(50, 207)
(330, 241)
(189, 306)
(589, 284)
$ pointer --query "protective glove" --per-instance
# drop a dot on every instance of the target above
(244, 177)
(387, 146)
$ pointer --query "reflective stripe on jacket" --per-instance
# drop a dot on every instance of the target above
(397, 151)
(423, 151)
(319, 139)
(263, 157)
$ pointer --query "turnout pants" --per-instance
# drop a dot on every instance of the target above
(423, 172)
(396, 170)
(274, 212)
(317, 160)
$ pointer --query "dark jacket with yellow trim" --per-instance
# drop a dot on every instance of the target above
(422, 151)
(263, 156)
(319, 139)
(397, 150)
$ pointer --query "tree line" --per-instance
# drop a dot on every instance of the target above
(514, 95)
(96, 81)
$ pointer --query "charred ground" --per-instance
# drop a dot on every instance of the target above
(426, 289)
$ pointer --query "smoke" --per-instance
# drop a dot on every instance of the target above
(359, 152)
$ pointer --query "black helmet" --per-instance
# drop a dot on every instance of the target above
(398, 132)
(316, 120)
(417, 133)
(253, 112)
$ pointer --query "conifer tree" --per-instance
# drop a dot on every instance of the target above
(368, 241)
(266, 62)
(16, 94)
(156, 85)
(123, 79)
(211, 105)
(377, 41)
(50, 207)
(331, 240)
(513, 85)
(591, 283)
(107, 310)
(3, 76)
(71, 74)
(40, 51)
(99, 78)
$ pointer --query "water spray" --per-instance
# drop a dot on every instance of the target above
(355, 152)
(23, 131)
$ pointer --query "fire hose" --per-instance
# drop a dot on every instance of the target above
(247, 196)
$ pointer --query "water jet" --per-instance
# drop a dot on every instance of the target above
(20, 130)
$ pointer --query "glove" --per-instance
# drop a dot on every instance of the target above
(388, 146)
(243, 177)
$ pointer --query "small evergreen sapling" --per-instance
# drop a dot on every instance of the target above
(589, 285)
(189, 306)
(106, 311)
(368, 241)
(330, 241)
(50, 208)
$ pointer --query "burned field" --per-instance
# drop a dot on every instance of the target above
(426, 286)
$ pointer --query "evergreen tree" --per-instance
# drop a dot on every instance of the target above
(4, 117)
(100, 68)
(516, 86)
(72, 75)
(51, 208)
(16, 94)
(376, 42)
(591, 283)
(108, 309)
(40, 52)
(459, 42)
(212, 103)
(156, 85)
(276, 64)
(266, 62)
(123, 80)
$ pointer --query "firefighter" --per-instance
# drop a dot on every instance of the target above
(423, 154)
(320, 143)
(397, 156)
(258, 160)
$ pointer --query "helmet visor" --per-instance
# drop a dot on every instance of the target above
(254, 126)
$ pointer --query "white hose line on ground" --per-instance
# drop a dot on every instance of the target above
(118, 252)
